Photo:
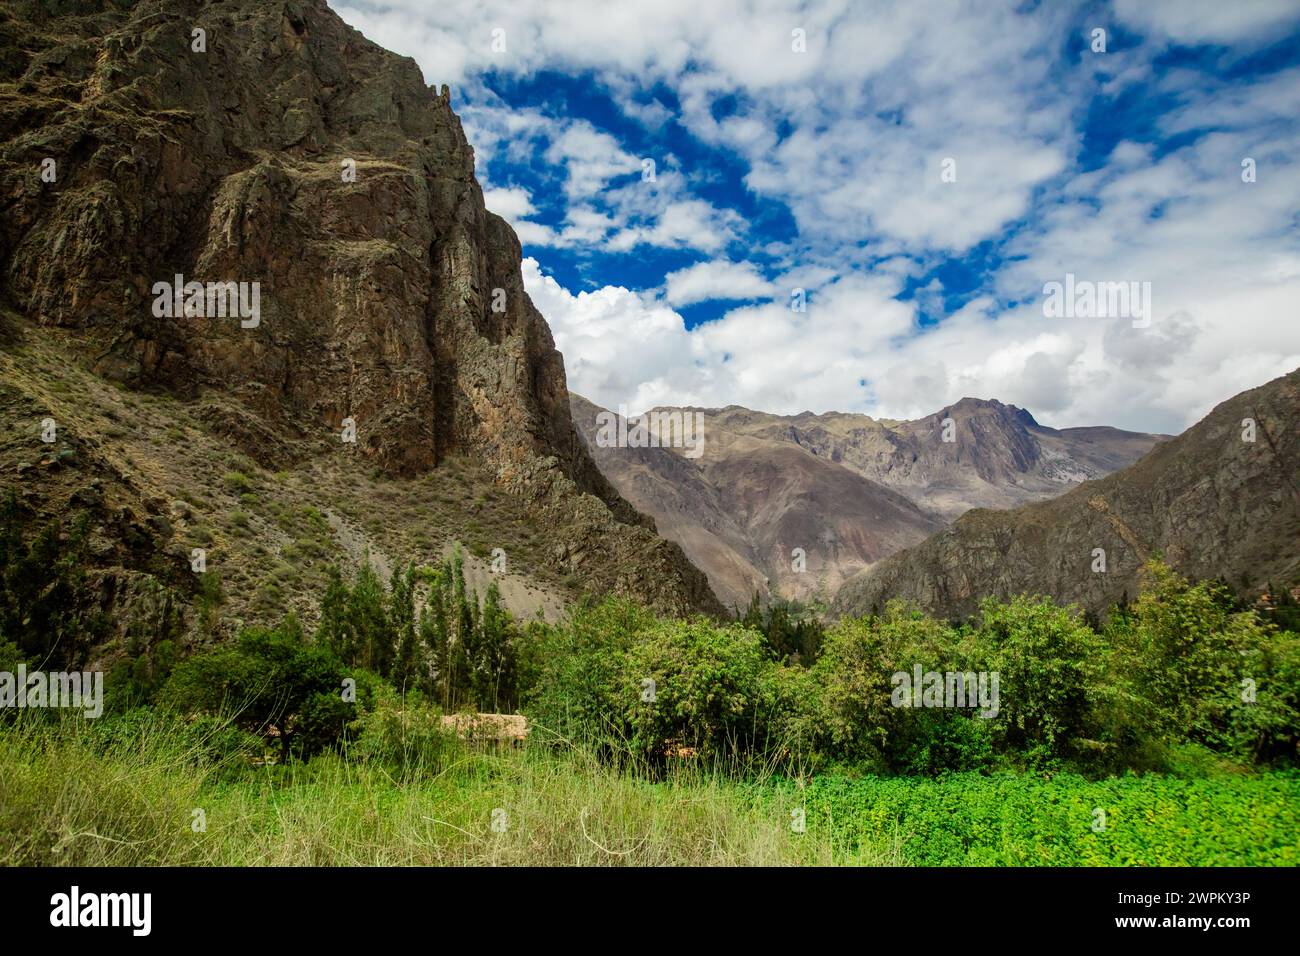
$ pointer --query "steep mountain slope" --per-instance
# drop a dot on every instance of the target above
(269, 144)
(158, 481)
(847, 489)
(1214, 504)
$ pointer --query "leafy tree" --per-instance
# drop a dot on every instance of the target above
(577, 693)
(271, 682)
(857, 715)
(1191, 666)
(1042, 654)
(713, 690)
(435, 634)
(369, 621)
(790, 629)
(334, 630)
(494, 665)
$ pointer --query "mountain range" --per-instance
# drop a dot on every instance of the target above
(847, 490)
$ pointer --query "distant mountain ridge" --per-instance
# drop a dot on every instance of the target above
(1212, 503)
(847, 489)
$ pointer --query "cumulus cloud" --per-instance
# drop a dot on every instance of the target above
(716, 280)
(512, 204)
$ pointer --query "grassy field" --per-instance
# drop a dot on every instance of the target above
(77, 798)
(70, 799)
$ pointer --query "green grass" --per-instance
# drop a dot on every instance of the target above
(73, 794)
(68, 798)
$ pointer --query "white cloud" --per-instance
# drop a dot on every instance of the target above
(511, 204)
(590, 159)
(849, 136)
(716, 280)
(876, 100)
(1207, 21)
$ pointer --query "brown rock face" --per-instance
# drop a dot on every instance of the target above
(1213, 504)
(279, 147)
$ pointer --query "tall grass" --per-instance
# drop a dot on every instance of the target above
(71, 796)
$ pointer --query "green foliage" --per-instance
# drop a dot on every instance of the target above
(473, 655)
(237, 482)
(493, 666)
(1041, 653)
(578, 665)
(791, 630)
(406, 737)
(210, 599)
(200, 741)
(369, 622)
(271, 683)
(651, 688)
(862, 723)
(401, 622)
(1026, 820)
(1188, 665)
(445, 647)
(1175, 667)
(135, 681)
(1181, 676)
(1284, 611)
(712, 690)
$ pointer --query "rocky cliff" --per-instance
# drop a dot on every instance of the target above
(269, 145)
(1222, 500)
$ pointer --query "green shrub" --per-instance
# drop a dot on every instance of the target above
(1041, 653)
(1184, 664)
(237, 482)
(713, 691)
(577, 665)
(861, 722)
(405, 736)
(271, 683)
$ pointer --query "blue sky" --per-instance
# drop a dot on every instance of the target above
(804, 146)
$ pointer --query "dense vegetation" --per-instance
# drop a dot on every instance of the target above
(1180, 666)
(757, 718)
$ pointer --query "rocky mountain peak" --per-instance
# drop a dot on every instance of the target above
(270, 150)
